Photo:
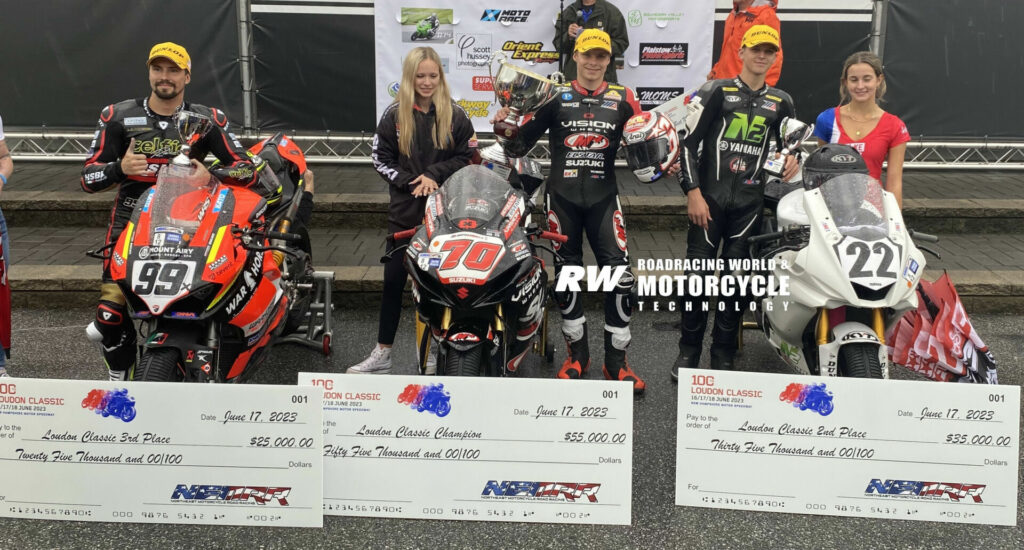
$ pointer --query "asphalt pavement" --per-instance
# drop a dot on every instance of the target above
(51, 343)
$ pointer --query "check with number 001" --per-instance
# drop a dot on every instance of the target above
(495, 449)
(161, 453)
(848, 447)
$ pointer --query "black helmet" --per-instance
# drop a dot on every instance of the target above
(829, 161)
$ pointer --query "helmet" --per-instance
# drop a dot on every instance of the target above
(652, 145)
(829, 161)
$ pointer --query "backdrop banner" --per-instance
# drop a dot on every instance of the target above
(669, 51)
(64, 61)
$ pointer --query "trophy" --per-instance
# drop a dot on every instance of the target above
(793, 133)
(523, 92)
(191, 127)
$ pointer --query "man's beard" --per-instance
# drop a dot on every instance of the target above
(166, 95)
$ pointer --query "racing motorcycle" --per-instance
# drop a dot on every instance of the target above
(852, 267)
(196, 264)
(425, 29)
(477, 280)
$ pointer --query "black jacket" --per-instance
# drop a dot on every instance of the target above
(405, 210)
(605, 17)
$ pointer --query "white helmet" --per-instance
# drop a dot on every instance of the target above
(652, 145)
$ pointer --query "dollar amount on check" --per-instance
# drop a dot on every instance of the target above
(477, 449)
(161, 453)
(848, 447)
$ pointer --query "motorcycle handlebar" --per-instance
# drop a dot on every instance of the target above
(557, 237)
(918, 236)
(408, 233)
(765, 237)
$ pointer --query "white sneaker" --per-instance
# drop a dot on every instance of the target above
(3, 372)
(430, 369)
(379, 362)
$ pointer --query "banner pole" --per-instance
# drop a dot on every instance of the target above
(245, 63)
(878, 15)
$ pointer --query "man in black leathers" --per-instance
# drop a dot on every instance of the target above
(585, 120)
(733, 119)
(590, 14)
(133, 139)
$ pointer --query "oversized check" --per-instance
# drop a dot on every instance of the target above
(477, 449)
(161, 453)
(848, 447)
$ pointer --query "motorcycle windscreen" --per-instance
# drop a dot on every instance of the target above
(166, 266)
(869, 258)
(474, 192)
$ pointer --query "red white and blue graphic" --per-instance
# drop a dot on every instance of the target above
(116, 403)
(930, 490)
(431, 398)
(541, 490)
(231, 494)
(812, 397)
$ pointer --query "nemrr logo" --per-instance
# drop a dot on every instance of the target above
(540, 490)
(231, 494)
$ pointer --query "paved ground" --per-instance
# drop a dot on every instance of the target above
(51, 343)
(349, 178)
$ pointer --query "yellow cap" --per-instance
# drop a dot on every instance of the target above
(761, 34)
(593, 38)
(173, 52)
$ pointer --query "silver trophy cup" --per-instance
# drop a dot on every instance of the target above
(523, 92)
(793, 133)
(192, 127)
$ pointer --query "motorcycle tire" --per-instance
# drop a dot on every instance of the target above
(158, 365)
(860, 360)
(464, 363)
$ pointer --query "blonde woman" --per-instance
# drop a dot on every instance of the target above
(423, 137)
(862, 124)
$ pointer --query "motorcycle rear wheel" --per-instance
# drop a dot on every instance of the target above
(860, 360)
(464, 363)
(158, 365)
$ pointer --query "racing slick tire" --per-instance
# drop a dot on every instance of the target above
(158, 365)
(464, 363)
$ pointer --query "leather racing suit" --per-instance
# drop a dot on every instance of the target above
(156, 136)
(582, 196)
(733, 124)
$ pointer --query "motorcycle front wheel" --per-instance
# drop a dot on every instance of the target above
(860, 360)
(464, 363)
(159, 365)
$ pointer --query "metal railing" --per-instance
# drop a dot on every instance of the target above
(73, 146)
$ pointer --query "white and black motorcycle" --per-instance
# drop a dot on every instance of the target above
(851, 264)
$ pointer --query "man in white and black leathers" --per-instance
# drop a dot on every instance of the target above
(724, 186)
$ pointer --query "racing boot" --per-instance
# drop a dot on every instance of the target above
(616, 367)
(689, 358)
(379, 362)
(114, 332)
(577, 363)
(723, 357)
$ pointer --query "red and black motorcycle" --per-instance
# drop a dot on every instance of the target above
(477, 280)
(200, 267)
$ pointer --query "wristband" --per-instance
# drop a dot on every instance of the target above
(3, 178)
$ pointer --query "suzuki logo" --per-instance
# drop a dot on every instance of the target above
(462, 293)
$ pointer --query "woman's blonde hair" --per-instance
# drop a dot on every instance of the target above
(406, 98)
(867, 58)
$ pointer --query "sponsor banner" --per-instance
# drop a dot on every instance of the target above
(650, 98)
(666, 52)
(161, 453)
(848, 447)
(483, 449)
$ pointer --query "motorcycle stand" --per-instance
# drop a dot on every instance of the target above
(316, 333)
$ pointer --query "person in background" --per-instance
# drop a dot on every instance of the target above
(861, 123)
(590, 14)
(423, 138)
(744, 15)
(6, 169)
